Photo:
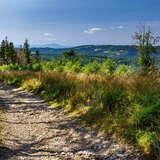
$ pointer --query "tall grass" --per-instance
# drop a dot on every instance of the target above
(127, 106)
(2, 117)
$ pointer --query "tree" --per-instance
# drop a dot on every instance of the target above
(7, 52)
(146, 45)
(12, 53)
(69, 54)
(26, 51)
(2, 52)
(37, 58)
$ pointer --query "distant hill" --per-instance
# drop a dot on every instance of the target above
(112, 51)
(51, 45)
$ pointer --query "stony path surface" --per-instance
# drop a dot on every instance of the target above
(35, 131)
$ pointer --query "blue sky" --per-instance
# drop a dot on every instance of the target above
(76, 22)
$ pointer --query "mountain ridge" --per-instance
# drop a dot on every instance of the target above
(113, 51)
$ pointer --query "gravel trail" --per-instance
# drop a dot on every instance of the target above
(35, 131)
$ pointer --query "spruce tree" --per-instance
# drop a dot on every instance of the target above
(12, 53)
(2, 52)
(6, 51)
(26, 51)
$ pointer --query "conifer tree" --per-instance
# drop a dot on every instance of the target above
(26, 51)
(7, 52)
(12, 53)
(2, 52)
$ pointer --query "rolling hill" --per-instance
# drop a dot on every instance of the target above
(112, 51)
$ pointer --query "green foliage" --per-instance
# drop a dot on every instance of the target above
(36, 67)
(123, 69)
(7, 52)
(149, 143)
(113, 98)
(76, 64)
(49, 95)
(145, 59)
(71, 54)
(92, 67)
(146, 42)
(146, 116)
(71, 66)
(5, 68)
(108, 67)
(37, 57)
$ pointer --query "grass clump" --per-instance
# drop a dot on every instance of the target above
(32, 84)
(149, 143)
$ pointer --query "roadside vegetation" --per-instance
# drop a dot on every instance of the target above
(113, 98)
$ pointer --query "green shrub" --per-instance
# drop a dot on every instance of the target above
(123, 69)
(5, 68)
(149, 143)
(108, 67)
(112, 98)
(36, 67)
(50, 94)
(92, 67)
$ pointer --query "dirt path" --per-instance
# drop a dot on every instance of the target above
(35, 131)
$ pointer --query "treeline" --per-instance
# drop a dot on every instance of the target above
(21, 56)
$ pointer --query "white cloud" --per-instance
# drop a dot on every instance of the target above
(48, 34)
(92, 30)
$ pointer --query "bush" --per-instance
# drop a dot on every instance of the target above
(123, 69)
(36, 67)
(5, 68)
(92, 67)
(113, 98)
(108, 67)
(146, 117)
(149, 143)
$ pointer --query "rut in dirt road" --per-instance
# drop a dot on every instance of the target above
(35, 131)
